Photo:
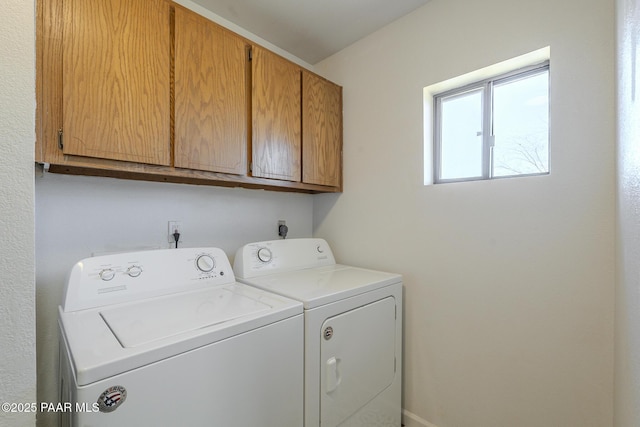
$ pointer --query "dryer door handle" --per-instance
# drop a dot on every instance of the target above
(332, 372)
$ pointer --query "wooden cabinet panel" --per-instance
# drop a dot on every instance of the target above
(211, 109)
(321, 131)
(275, 117)
(146, 89)
(116, 79)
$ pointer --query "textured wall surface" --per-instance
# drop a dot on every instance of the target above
(627, 378)
(509, 284)
(17, 289)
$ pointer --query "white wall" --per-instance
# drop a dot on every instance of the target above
(17, 123)
(627, 350)
(509, 285)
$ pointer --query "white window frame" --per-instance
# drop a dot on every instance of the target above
(486, 88)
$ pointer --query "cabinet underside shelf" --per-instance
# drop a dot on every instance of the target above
(164, 174)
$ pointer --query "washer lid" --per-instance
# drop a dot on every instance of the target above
(151, 320)
(323, 285)
(107, 341)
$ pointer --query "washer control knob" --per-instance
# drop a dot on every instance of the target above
(205, 263)
(265, 255)
(107, 274)
(134, 271)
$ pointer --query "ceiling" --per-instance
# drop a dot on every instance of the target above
(312, 30)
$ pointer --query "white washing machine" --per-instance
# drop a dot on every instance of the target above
(169, 338)
(353, 329)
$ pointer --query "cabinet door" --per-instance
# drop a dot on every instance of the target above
(322, 131)
(211, 106)
(116, 79)
(275, 117)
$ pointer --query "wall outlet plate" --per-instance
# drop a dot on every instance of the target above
(173, 227)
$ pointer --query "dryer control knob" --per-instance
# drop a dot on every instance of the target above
(134, 271)
(265, 255)
(107, 274)
(205, 263)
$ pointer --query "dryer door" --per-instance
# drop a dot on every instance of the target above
(357, 359)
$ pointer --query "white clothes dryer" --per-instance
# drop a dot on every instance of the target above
(169, 338)
(353, 329)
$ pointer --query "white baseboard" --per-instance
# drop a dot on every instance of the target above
(412, 420)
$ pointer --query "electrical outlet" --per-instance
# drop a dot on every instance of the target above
(173, 227)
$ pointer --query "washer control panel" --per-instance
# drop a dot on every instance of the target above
(109, 279)
(276, 256)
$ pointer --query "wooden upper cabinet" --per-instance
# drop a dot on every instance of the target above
(116, 79)
(321, 131)
(211, 110)
(276, 124)
(148, 89)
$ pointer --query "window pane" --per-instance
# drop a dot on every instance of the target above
(521, 126)
(461, 136)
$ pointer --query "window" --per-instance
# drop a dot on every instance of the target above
(497, 127)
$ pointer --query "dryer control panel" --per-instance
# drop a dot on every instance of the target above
(126, 277)
(278, 256)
